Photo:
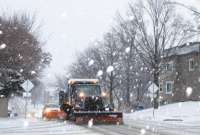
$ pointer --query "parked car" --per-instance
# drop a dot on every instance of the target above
(52, 111)
(139, 107)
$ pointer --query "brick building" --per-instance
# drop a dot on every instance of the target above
(179, 79)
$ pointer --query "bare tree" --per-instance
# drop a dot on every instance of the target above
(126, 33)
(133, 49)
(158, 28)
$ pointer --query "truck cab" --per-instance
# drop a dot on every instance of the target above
(84, 100)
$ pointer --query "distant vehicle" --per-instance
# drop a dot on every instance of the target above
(52, 111)
(12, 114)
(85, 101)
(139, 108)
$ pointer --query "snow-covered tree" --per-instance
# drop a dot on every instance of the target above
(21, 54)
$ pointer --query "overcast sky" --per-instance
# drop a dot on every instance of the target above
(69, 25)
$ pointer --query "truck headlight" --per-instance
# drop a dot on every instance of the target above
(47, 110)
(104, 94)
(107, 109)
(81, 94)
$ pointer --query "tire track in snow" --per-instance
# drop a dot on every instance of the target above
(122, 130)
(45, 128)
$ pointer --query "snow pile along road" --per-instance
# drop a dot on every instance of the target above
(177, 112)
(172, 119)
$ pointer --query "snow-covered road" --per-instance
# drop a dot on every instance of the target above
(40, 127)
(131, 127)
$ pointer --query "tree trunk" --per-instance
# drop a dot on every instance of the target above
(156, 72)
(128, 89)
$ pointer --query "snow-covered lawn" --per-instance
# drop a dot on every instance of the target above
(173, 119)
(182, 112)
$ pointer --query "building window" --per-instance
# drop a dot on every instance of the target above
(169, 66)
(191, 64)
(169, 87)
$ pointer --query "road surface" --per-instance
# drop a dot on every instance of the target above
(40, 127)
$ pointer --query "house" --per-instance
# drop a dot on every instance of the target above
(179, 79)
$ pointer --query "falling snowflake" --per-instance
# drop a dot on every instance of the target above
(33, 72)
(131, 94)
(96, 43)
(90, 123)
(131, 18)
(188, 44)
(199, 79)
(127, 50)
(26, 123)
(179, 105)
(91, 62)
(188, 91)
(110, 69)
(2, 46)
(161, 97)
(100, 73)
(1, 32)
(21, 70)
(142, 131)
(147, 127)
(20, 57)
(153, 129)
(64, 14)
(132, 110)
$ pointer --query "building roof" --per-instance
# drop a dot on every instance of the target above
(183, 49)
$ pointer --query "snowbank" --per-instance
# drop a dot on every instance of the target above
(182, 112)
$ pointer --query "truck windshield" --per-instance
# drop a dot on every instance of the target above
(89, 90)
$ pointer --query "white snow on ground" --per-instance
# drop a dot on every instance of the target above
(39, 127)
(174, 119)
(17, 105)
(182, 112)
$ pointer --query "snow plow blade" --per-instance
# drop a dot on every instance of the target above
(98, 117)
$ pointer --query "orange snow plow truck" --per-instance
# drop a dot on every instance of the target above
(84, 101)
